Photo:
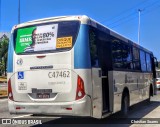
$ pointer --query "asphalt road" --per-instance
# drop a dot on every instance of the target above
(142, 110)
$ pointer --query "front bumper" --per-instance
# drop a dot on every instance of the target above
(80, 107)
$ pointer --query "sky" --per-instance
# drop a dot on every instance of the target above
(118, 15)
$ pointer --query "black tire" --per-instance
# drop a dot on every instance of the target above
(125, 105)
(148, 100)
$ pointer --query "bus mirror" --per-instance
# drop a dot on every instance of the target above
(155, 61)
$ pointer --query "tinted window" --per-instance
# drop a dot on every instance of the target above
(136, 64)
(100, 49)
(127, 57)
(143, 60)
(104, 53)
(148, 61)
(51, 37)
(121, 53)
(93, 48)
(117, 53)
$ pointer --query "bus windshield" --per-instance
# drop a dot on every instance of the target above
(50, 37)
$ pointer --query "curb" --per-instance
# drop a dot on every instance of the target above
(3, 97)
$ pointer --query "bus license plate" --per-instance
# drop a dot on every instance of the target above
(43, 95)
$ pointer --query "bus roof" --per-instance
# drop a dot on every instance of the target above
(115, 34)
(84, 20)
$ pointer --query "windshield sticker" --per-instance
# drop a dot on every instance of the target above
(64, 42)
(46, 37)
(24, 39)
(36, 38)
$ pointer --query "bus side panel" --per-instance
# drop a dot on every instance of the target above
(120, 81)
(111, 90)
(81, 49)
(10, 56)
(82, 64)
(147, 82)
(85, 74)
(137, 83)
(117, 90)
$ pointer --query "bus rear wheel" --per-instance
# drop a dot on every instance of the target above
(125, 105)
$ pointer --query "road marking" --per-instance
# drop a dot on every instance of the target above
(22, 116)
(45, 117)
(36, 116)
(3, 100)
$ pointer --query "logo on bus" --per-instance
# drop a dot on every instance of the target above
(21, 75)
(20, 61)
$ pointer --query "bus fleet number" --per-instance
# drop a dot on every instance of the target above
(59, 74)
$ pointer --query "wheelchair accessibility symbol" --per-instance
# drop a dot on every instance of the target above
(21, 75)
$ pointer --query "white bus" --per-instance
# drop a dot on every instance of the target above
(74, 66)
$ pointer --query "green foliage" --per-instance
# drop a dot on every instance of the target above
(3, 55)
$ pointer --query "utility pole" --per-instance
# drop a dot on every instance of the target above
(139, 21)
(0, 15)
(19, 11)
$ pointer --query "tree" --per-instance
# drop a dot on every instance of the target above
(3, 54)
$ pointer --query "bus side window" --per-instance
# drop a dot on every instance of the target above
(117, 53)
(136, 61)
(93, 48)
(143, 60)
(127, 57)
(148, 61)
(103, 51)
